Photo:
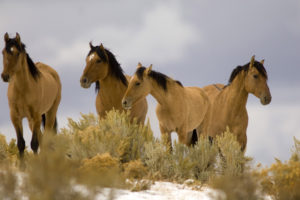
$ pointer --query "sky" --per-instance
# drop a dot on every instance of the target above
(196, 42)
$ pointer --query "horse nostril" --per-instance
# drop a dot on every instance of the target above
(124, 102)
(267, 99)
(5, 77)
(84, 80)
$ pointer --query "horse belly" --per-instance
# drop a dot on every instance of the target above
(49, 93)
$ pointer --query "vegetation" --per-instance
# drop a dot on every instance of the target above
(282, 179)
(114, 152)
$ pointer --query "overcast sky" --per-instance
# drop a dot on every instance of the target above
(196, 42)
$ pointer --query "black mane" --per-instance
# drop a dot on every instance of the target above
(32, 68)
(115, 67)
(21, 48)
(261, 69)
(161, 79)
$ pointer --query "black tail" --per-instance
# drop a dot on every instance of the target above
(44, 123)
(211, 140)
(194, 137)
(55, 126)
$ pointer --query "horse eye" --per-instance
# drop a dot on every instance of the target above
(255, 76)
(99, 61)
(137, 83)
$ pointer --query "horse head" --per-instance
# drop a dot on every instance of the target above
(139, 87)
(97, 66)
(12, 56)
(256, 81)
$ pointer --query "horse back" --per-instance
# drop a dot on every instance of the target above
(213, 90)
(48, 72)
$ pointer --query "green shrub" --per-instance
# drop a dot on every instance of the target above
(203, 154)
(236, 187)
(282, 179)
(9, 182)
(9, 152)
(92, 154)
(115, 134)
(183, 162)
(158, 160)
(235, 180)
(135, 170)
(3, 148)
(232, 159)
(102, 170)
(51, 175)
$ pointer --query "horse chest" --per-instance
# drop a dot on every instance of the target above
(23, 106)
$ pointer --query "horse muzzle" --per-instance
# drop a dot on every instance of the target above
(126, 104)
(85, 83)
(265, 100)
(5, 77)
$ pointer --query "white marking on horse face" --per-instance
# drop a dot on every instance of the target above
(12, 49)
(91, 57)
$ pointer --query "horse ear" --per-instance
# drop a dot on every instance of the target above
(149, 69)
(18, 39)
(262, 61)
(139, 65)
(91, 45)
(6, 37)
(102, 47)
(252, 61)
(104, 51)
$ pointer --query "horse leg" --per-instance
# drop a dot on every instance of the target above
(166, 136)
(184, 137)
(35, 123)
(51, 123)
(17, 122)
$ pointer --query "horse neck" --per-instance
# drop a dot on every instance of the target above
(166, 98)
(111, 89)
(237, 95)
(22, 78)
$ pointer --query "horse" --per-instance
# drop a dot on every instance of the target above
(228, 103)
(103, 69)
(34, 92)
(179, 109)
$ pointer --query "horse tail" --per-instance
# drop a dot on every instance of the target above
(43, 120)
(194, 137)
(55, 125)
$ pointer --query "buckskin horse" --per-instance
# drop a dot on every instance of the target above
(34, 92)
(103, 69)
(228, 103)
(180, 109)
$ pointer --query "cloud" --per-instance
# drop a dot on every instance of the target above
(162, 36)
(271, 130)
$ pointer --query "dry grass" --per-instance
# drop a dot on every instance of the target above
(115, 134)
(232, 159)
(182, 163)
(237, 187)
(91, 154)
(282, 179)
(135, 170)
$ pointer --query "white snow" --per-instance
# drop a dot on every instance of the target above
(161, 191)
